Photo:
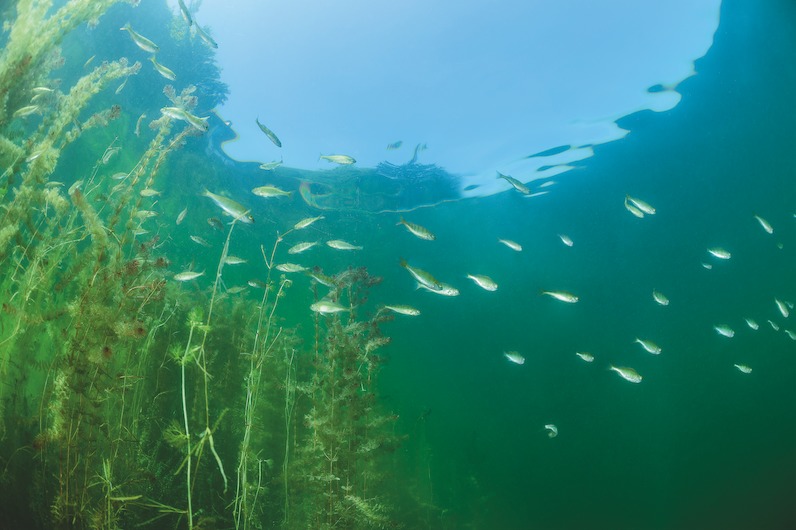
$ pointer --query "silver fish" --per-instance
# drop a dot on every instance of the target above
(339, 244)
(650, 346)
(403, 310)
(660, 298)
(743, 368)
(326, 307)
(782, 308)
(140, 41)
(304, 223)
(271, 191)
(566, 240)
(588, 357)
(233, 208)
(552, 430)
(187, 275)
(562, 296)
(514, 357)
(343, 160)
(417, 230)
(765, 224)
(511, 244)
(162, 70)
(720, 253)
(724, 330)
(641, 205)
(484, 282)
(301, 247)
(268, 132)
(516, 184)
(628, 374)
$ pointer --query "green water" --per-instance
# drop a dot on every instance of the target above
(697, 444)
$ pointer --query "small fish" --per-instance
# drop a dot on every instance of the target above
(205, 36)
(26, 111)
(707, 266)
(566, 240)
(109, 154)
(148, 192)
(304, 223)
(650, 346)
(633, 209)
(743, 368)
(516, 184)
(720, 253)
(317, 275)
(268, 132)
(187, 276)
(628, 374)
(562, 296)
(790, 334)
(233, 208)
(552, 430)
(423, 278)
(180, 114)
(271, 191)
(269, 166)
(301, 247)
(659, 297)
(588, 357)
(162, 70)
(417, 230)
(782, 308)
(752, 324)
(186, 15)
(403, 310)
(339, 244)
(198, 240)
(484, 282)
(146, 214)
(138, 123)
(774, 325)
(140, 41)
(215, 223)
(290, 267)
(641, 205)
(395, 145)
(40, 90)
(765, 224)
(181, 216)
(514, 357)
(444, 289)
(511, 244)
(257, 284)
(327, 307)
(343, 160)
(90, 59)
(234, 260)
(725, 330)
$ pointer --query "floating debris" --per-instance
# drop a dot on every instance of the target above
(511, 244)
(514, 357)
(484, 282)
(628, 374)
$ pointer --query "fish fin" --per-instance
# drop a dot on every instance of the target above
(403, 262)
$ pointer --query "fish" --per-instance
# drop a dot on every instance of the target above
(782, 308)
(187, 276)
(186, 15)
(343, 160)
(562, 296)
(215, 223)
(268, 132)
(511, 244)
(339, 244)
(444, 289)
(552, 430)
(182, 214)
(484, 282)
(633, 209)
(707, 266)
(257, 284)
(743, 368)
(628, 374)
(90, 59)
(39, 90)
(403, 310)
(327, 307)
(181, 114)
(765, 224)
(516, 184)
(304, 223)
(566, 240)
(720, 253)
(269, 166)
(138, 123)
(198, 240)
(417, 230)
(301, 247)
(514, 357)
(588, 357)
(205, 36)
(234, 260)
(650, 346)
(395, 145)
(724, 330)
(146, 214)
(790, 334)
(140, 41)
(773, 325)
(317, 275)
(148, 192)
(291, 267)
(233, 208)
(162, 70)
(26, 111)
(271, 191)
(423, 278)
(659, 297)
(641, 205)
(752, 324)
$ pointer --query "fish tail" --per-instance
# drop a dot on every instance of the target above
(403, 262)
(402, 221)
(125, 27)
